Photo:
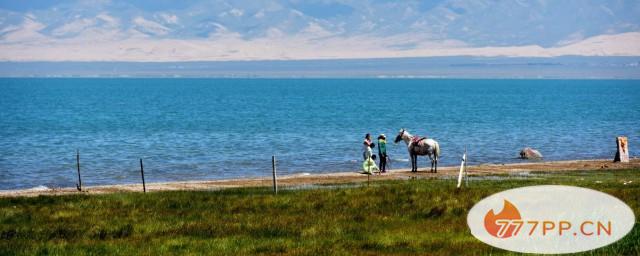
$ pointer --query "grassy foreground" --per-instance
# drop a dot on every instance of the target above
(392, 217)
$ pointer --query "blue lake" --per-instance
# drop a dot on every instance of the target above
(192, 129)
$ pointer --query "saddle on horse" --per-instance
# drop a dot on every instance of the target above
(419, 146)
(417, 141)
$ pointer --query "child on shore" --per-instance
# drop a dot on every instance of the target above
(369, 164)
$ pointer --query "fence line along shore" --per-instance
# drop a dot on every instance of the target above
(298, 180)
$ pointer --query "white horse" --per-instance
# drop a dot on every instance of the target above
(420, 147)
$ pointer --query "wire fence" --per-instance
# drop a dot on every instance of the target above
(273, 176)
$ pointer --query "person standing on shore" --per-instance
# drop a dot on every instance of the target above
(382, 152)
(367, 145)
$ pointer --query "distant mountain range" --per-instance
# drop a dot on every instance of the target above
(198, 30)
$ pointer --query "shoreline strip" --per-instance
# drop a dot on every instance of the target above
(331, 178)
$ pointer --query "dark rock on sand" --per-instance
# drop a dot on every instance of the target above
(529, 153)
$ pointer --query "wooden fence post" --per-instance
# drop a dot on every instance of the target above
(79, 184)
(275, 179)
(144, 187)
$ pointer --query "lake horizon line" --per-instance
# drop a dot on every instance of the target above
(456, 67)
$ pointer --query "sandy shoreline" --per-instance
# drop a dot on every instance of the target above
(333, 178)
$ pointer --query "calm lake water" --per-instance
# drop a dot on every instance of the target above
(191, 129)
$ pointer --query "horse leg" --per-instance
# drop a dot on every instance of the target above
(431, 165)
(431, 170)
(436, 163)
(411, 159)
(414, 163)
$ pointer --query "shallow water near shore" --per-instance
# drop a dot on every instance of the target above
(194, 129)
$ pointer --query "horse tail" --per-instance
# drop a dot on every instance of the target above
(437, 150)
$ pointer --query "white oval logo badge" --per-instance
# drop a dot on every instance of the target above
(550, 219)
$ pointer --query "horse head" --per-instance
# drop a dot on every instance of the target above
(399, 137)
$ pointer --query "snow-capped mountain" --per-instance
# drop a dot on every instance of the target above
(99, 30)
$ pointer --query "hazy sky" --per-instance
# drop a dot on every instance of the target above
(191, 30)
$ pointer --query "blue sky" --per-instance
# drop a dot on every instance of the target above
(147, 30)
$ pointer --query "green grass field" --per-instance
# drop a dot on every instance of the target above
(425, 216)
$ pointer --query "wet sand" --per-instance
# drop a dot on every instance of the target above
(336, 178)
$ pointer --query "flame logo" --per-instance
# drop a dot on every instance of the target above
(498, 225)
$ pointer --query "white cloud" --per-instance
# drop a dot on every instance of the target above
(368, 25)
(111, 21)
(259, 14)
(236, 12)
(297, 13)
(450, 17)
(169, 18)
(73, 27)
(151, 27)
(28, 31)
(273, 33)
(9, 28)
(607, 10)
(314, 30)
(221, 32)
